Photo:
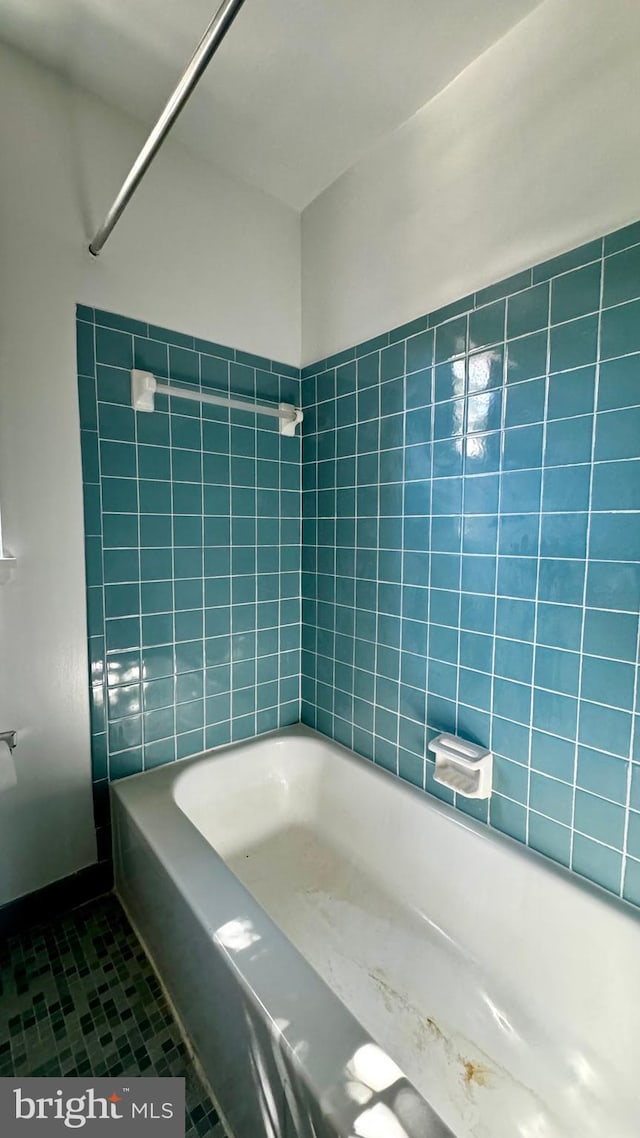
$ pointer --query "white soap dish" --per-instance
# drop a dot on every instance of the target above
(462, 766)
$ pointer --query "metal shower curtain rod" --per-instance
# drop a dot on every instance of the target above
(195, 69)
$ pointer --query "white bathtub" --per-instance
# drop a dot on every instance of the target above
(351, 957)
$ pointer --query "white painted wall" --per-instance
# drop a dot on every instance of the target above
(533, 149)
(195, 251)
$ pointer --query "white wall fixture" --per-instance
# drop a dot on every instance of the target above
(8, 774)
(7, 562)
(462, 766)
(144, 388)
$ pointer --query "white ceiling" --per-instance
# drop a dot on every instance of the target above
(299, 89)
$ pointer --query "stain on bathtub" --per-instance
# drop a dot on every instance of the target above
(330, 908)
(476, 1073)
(473, 1075)
(473, 1072)
(432, 1025)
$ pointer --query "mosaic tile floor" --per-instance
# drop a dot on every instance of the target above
(78, 997)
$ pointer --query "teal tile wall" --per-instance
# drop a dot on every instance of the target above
(192, 524)
(471, 551)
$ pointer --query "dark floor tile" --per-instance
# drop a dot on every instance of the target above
(78, 997)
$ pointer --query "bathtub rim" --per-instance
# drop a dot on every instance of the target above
(168, 774)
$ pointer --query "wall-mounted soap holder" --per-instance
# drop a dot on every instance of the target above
(462, 766)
